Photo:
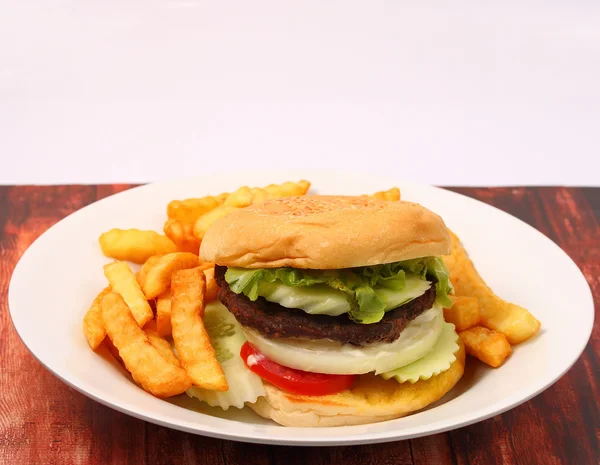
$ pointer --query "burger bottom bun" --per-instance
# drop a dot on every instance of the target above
(370, 400)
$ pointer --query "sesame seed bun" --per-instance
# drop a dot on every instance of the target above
(324, 232)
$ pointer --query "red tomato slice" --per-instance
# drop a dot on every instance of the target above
(291, 380)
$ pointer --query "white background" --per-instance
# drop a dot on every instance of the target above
(463, 92)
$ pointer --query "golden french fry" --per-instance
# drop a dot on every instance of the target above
(244, 197)
(145, 363)
(163, 314)
(182, 234)
(488, 346)
(259, 195)
(212, 289)
(240, 198)
(123, 282)
(196, 354)
(391, 195)
(155, 278)
(160, 343)
(206, 221)
(464, 314)
(205, 265)
(134, 245)
(93, 325)
(512, 320)
(187, 211)
(111, 347)
(141, 274)
(222, 197)
(288, 189)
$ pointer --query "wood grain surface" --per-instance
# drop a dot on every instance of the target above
(42, 421)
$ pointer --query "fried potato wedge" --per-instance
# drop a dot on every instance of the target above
(93, 325)
(491, 347)
(160, 343)
(147, 366)
(163, 314)
(155, 277)
(206, 221)
(134, 245)
(391, 195)
(464, 314)
(182, 234)
(187, 211)
(196, 354)
(123, 282)
(512, 320)
(212, 288)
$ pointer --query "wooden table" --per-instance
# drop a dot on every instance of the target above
(42, 421)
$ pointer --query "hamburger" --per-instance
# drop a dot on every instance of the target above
(340, 299)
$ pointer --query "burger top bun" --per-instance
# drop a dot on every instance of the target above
(324, 232)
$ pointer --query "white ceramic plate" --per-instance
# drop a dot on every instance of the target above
(60, 274)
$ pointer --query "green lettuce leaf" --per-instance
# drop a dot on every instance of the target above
(366, 305)
(443, 287)
(324, 300)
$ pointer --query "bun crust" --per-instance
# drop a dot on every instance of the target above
(324, 232)
(370, 400)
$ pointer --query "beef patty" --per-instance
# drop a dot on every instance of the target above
(274, 321)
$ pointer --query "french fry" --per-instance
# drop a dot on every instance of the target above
(145, 363)
(163, 314)
(391, 195)
(134, 245)
(143, 271)
(206, 221)
(205, 265)
(123, 282)
(192, 343)
(288, 189)
(260, 195)
(222, 197)
(512, 320)
(464, 314)
(490, 347)
(111, 348)
(182, 234)
(154, 278)
(187, 211)
(160, 343)
(243, 197)
(141, 274)
(93, 325)
(240, 198)
(212, 289)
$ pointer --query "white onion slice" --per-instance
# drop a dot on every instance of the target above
(326, 356)
(324, 300)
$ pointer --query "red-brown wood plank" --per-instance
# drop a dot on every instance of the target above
(432, 449)
(397, 453)
(34, 404)
(44, 421)
(565, 418)
(41, 419)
